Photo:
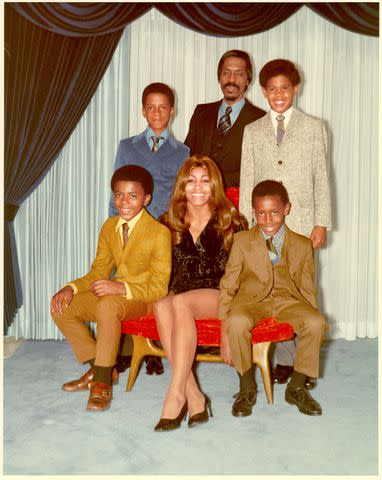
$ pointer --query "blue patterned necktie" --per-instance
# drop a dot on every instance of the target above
(225, 122)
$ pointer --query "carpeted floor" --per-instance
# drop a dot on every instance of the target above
(47, 431)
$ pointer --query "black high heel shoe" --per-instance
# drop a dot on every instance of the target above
(165, 424)
(203, 416)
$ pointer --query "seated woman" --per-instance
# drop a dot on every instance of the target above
(202, 222)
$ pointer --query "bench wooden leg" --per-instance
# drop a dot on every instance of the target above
(260, 353)
(141, 347)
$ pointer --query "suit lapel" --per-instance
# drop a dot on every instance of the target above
(293, 125)
(136, 234)
(259, 256)
(210, 124)
(141, 145)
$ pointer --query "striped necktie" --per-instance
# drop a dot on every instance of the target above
(125, 234)
(156, 141)
(225, 122)
(271, 246)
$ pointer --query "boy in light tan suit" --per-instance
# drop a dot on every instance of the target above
(270, 272)
(139, 248)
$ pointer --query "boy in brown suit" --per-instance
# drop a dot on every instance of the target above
(270, 272)
(138, 247)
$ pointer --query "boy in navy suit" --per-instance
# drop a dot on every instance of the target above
(156, 150)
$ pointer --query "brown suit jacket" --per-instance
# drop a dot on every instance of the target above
(248, 276)
(144, 264)
(202, 127)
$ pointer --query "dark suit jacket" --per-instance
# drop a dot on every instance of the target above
(202, 127)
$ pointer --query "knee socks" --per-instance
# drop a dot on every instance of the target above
(247, 381)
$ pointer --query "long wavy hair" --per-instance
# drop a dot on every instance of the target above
(226, 219)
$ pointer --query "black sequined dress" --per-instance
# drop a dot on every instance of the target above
(200, 264)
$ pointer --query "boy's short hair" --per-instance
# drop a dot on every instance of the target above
(134, 173)
(270, 188)
(158, 87)
(240, 54)
(279, 67)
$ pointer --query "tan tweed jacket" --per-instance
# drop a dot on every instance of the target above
(300, 163)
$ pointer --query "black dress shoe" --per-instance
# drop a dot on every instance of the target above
(203, 416)
(311, 383)
(154, 365)
(242, 406)
(166, 424)
(123, 363)
(281, 373)
(303, 400)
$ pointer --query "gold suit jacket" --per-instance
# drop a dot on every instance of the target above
(144, 264)
(248, 276)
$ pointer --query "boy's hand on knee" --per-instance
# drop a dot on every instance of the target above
(225, 351)
(101, 288)
(65, 295)
(318, 236)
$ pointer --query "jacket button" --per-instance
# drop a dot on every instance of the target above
(280, 162)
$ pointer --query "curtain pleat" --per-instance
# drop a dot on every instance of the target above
(356, 17)
(81, 19)
(57, 226)
(49, 81)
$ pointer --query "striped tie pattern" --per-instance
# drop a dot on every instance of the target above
(271, 246)
(125, 234)
(225, 122)
(156, 141)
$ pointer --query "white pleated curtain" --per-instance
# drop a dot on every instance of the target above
(57, 227)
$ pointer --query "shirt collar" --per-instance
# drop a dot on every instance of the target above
(131, 223)
(236, 107)
(278, 238)
(149, 133)
(286, 114)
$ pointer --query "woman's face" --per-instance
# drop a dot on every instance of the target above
(198, 188)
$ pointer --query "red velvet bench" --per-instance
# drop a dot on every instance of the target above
(144, 330)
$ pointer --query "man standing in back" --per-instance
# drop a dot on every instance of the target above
(216, 129)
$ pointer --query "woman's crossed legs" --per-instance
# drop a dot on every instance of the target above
(175, 315)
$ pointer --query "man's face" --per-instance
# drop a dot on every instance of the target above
(157, 111)
(233, 79)
(270, 213)
(280, 93)
(129, 199)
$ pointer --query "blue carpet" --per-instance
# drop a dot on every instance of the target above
(49, 432)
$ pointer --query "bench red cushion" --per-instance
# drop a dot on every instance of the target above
(208, 330)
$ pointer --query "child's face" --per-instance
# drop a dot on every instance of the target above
(270, 213)
(280, 93)
(129, 199)
(157, 111)
(198, 188)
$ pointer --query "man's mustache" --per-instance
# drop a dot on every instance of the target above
(231, 84)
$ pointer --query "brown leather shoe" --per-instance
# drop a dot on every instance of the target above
(84, 382)
(100, 397)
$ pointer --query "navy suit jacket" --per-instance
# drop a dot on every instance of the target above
(163, 165)
(202, 130)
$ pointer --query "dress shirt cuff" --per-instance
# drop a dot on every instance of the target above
(75, 289)
(128, 294)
